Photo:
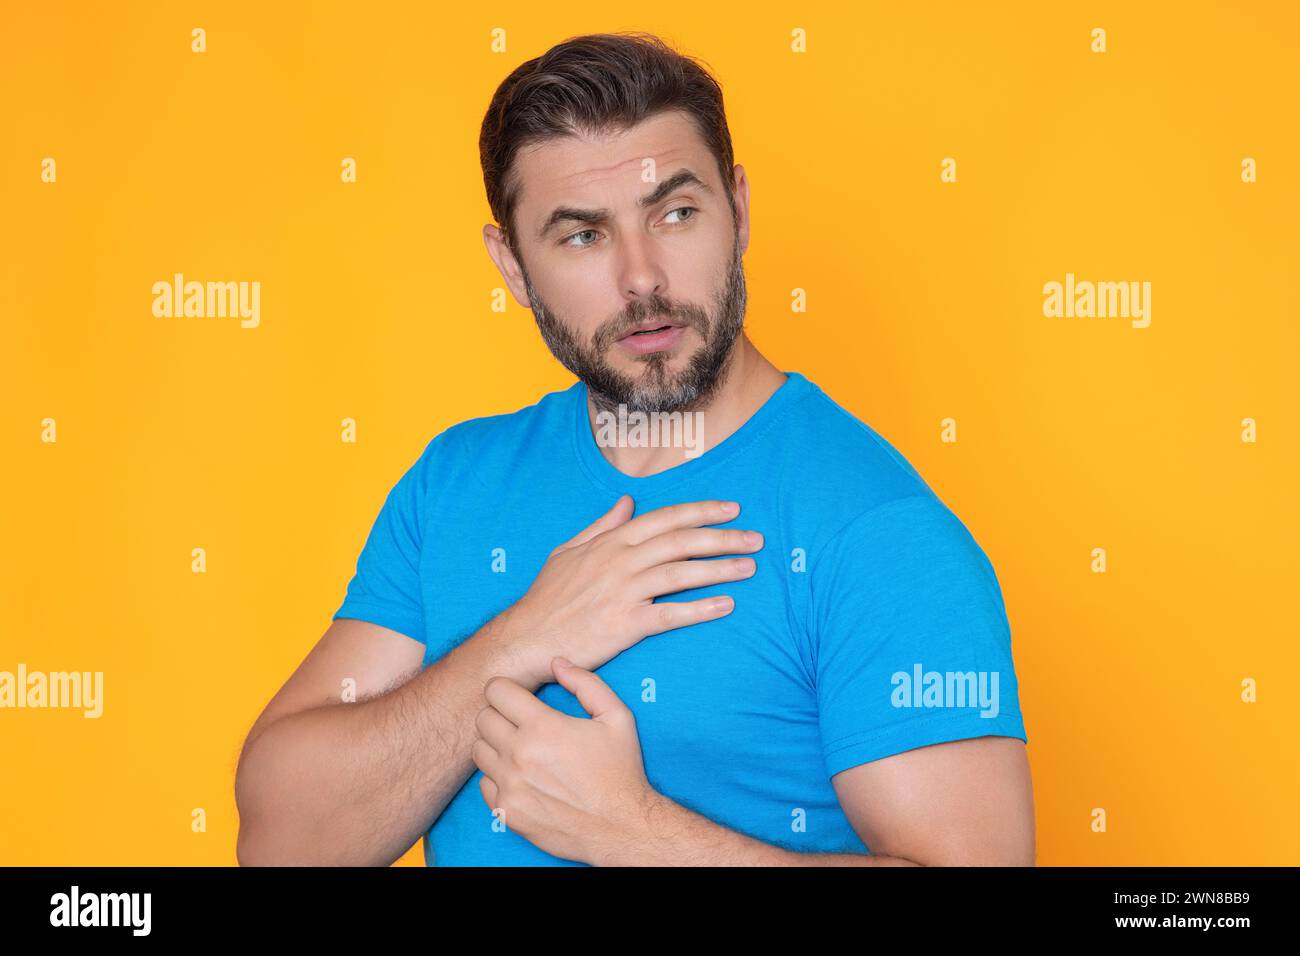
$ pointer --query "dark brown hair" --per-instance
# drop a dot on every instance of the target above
(596, 84)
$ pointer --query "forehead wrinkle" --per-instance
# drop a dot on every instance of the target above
(663, 157)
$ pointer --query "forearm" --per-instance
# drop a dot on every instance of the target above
(358, 783)
(664, 833)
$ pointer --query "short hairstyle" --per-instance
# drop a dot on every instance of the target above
(595, 84)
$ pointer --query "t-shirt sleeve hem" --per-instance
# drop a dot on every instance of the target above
(396, 619)
(935, 729)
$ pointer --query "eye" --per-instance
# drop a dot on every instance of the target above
(568, 240)
(580, 245)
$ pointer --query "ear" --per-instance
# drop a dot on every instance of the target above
(499, 251)
(740, 189)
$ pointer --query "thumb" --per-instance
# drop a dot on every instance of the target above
(593, 693)
(611, 519)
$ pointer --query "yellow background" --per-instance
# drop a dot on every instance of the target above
(925, 302)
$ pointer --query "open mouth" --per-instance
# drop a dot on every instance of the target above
(657, 336)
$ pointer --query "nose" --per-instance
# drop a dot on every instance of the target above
(641, 274)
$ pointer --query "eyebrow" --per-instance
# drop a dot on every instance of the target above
(683, 177)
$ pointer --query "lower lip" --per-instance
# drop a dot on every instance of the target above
(648, 342)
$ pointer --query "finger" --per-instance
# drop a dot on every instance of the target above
(684, 575)
(686, 543)
(611, 519)
(489, 789)
(593, 693)
(667, 615)
(485, 757)
(514, 701)
(687, 515)
(495, 729)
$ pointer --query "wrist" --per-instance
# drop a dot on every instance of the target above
(507, 640)
(635, 838)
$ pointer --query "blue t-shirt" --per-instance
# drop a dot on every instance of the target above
(874, 623)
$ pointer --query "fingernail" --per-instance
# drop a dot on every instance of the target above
(753, 537)
(723, 604)
(564, 662)
(730, 508)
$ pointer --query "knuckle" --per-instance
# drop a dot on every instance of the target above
(530, 754)
(613, 555)
(505, 801)
(681, 540)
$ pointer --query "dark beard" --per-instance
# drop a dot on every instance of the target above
(689, 389)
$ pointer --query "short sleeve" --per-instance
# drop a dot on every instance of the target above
(909, 636)
(385, 588)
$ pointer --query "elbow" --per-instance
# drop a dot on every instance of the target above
(250, 849)
(247, 852)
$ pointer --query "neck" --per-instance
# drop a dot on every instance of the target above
(746, 382)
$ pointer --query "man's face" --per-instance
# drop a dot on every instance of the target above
(637, 289)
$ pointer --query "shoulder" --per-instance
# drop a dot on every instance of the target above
(913, 539)
(488, 444)
(837, 469)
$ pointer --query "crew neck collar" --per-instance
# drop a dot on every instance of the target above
(606, 476)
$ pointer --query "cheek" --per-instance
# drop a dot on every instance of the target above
(582, 298)
(694, 274)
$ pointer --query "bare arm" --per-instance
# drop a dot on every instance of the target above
(322, 782)
(961, 803)
(672, 835)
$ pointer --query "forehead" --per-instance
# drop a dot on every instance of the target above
(574, 167)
